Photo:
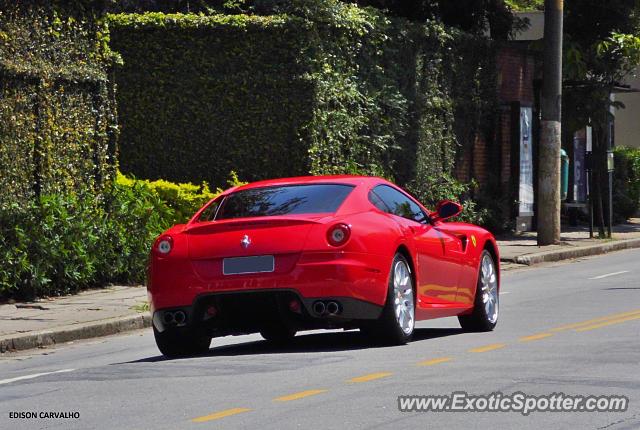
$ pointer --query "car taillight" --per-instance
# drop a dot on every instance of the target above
(164, 245)
(338, 234)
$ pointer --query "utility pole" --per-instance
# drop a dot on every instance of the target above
(548, 206)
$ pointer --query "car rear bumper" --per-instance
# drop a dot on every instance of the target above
(174, 282)
(248, 311)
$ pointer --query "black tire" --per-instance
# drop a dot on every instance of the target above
(478, 320)
(278, 333)
(175, 344)
(386, 329)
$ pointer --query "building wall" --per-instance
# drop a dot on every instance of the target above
(494, 159)
(627, 124)
(516, 74)
(536, 26)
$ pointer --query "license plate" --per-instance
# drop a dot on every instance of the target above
(242, 265)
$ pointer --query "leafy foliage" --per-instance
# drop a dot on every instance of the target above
(57, 123)
(324, 87)
(601, 48)
(182, 199)
(200, 96)
(622, 50)
(525, 5)
(61, 243)
(626, 185)
(476, 16)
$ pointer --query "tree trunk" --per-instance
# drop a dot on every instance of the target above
(550, 140)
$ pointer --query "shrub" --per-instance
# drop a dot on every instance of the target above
(62, 243)
(182, 199)
(432, 190)
(136, 215)
(46, 243)
(59, 244)
(626, 183)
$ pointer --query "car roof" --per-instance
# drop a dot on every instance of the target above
(302, 180)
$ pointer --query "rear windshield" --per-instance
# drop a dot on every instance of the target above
(283, 200)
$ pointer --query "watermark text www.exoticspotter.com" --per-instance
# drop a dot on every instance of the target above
(525, 404)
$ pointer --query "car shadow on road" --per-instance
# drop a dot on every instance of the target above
(313, 342)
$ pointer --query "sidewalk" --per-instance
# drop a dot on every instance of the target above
(117, 309)
(91, 313)
(523, 248)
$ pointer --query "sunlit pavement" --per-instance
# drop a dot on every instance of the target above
(572, 328)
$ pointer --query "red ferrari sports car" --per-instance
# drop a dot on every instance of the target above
(285, 255)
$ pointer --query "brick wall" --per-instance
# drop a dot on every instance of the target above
(462, 169)
(480, 160)
(516, 71)
(516, 74)
(493, 161)
(504, 140)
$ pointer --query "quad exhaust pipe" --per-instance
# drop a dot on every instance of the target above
(319, 308)
(329, 308)
(333, 308)
(168, 318)
(177, 318)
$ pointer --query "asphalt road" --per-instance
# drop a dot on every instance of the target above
(538, 348)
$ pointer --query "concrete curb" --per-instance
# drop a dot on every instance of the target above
(574, 252)
(74, 332)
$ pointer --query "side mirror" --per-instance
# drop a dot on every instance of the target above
(447, 209)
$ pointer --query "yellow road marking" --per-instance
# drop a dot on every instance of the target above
(489, 347)
(300, 395)
(535, 337)
(610, 322)
(435, 361)
(595, 320)
(221, 414)
(370, 377)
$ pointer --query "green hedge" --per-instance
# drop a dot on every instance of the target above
(182, 200)
(65, 242)
(626, 184)
(200, 96)
(326, 87)
(57, 123)
(61, 243)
